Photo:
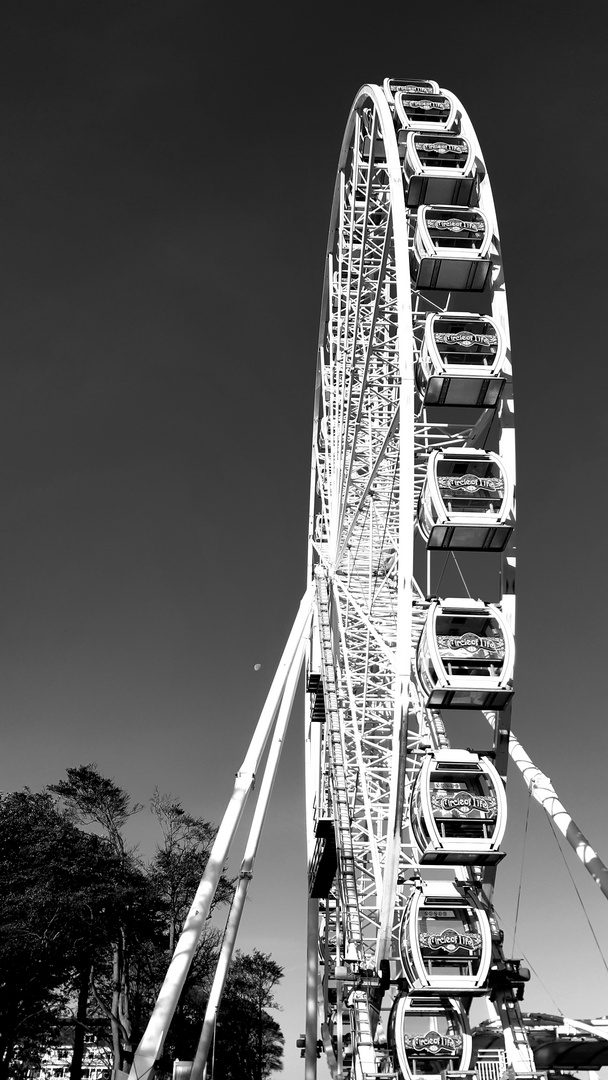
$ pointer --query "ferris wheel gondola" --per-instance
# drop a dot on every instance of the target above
(458, 810)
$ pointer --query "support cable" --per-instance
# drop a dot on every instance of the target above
(580, 899)
(461, 574)
(438, 585)
(529, 963)
(521, 870)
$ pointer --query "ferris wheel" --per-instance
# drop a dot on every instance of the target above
(406, 629)
(413, 469)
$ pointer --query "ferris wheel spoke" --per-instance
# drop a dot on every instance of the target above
(354, 514)
(363, 343)
(364, 367)
(354, 610)
(354, 729)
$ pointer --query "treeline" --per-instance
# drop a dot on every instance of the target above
(87, 929)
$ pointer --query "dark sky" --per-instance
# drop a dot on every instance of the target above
(167, 178)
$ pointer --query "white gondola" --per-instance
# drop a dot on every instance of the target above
(466, 501)
(465, 656)
(423, 110)
(439, 169)
(445, 941)
(458, 810)
(409, 86)
(461, 361)
(451, 248)
(428, 1035)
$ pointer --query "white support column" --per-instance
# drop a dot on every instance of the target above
(543, 791)
(246, 871)
(364, 1058)
(312, 974)
(151, 1045)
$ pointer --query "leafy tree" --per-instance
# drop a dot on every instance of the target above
(249, 1041)
(179, 863)
(56, 885)
(148, 915)
(93, 799)
(85, 922)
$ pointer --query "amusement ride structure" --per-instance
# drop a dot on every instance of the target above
(413, 485)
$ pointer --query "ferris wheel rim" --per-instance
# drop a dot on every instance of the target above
(400, 228)
(399, 232)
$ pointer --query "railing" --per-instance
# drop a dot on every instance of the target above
(491, 1064)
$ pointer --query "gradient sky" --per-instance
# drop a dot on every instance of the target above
(168, 170)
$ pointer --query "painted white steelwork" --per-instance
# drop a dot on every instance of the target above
(399, 357)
